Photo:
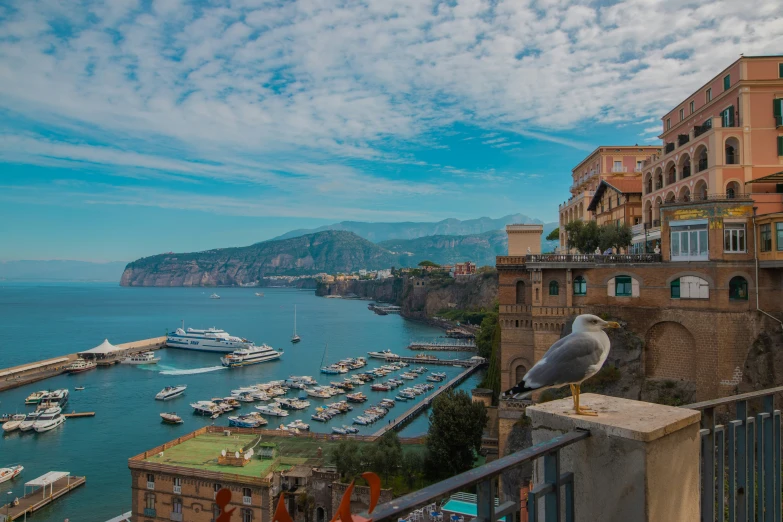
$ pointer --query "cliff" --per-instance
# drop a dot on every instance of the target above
(447, 250)
(329, 251)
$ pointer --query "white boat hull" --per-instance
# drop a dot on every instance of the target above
(265, 357)
(10, 473)
(11, 425)
(151, 361)
(49, 425)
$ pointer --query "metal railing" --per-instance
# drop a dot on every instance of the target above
(594, 258)
(698, 130)
(682, 139)
(722, 196)
(557, 489)
(619, 169)
(741, 458)
(668, 148)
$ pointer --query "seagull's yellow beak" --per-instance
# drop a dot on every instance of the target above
(612, 324)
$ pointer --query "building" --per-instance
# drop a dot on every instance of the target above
(617, 202)
(606, 162)
(179, 480)
(464, 269)
(383, 274)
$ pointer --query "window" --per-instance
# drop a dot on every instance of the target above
(247, 496)
(668, 123)
(554, 288)
(215, 512)
(708, 95)
(580, 286)
(150, 481)
(682, 114)
(177, 485)
(738, 289)
(765, 237)
(726, 82)
(675, 289)
(727, 117)
(639, 164)
(780, 70)
(779, 234)
(622, 286)
(247, 515)
(734, 237)
(689, 241)
(780, 145)
(691, 107)
(150, 501)
(176, 505)
(690, 287)
(777, 111)
(520, 292)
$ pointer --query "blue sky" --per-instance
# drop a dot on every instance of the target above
(134, 127)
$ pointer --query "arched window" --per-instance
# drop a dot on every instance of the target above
(732, 190)
(580, 286)
(320, 515)
(690, 287)
(738, 289)
(554, 288)
(520, 292)
(520, 373)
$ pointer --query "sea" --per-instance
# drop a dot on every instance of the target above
(44, 320)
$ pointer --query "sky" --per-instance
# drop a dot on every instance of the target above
(135, 127)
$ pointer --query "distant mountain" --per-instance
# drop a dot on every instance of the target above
(62, 271)
(447, 250)
(377, 232)
(328, 251)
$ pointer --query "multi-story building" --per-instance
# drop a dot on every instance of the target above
(617, 201)
(464, 269)
(606, 162)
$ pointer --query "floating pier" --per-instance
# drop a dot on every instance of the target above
(417, 408)
(445, 345)
(73, 414)
(45, 490)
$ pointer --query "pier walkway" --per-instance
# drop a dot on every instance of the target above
(450, 345)
(398, 422)
(48, 492)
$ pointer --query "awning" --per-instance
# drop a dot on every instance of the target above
(655, 234)
(104, 348)
(772, 178)
(47, 479)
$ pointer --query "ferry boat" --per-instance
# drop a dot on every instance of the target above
(10, 473)
(141, 358)
(169, 392)
(209, 340)
(35, 397)
(171, 418)
(14, 423)
(49, 420)
(214, 296)
(80, 365)
(270, 409)
(250, 355)
(29, 420)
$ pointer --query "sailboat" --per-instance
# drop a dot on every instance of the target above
(295, 338)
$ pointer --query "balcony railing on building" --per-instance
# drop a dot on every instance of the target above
(668, 148)
(619, 168)
(698, 130)
(594, 258)
(720, 196)
(655, 223)
(682, 139)
(150, 512)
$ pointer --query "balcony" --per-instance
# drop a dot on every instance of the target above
(247, 501)
(721, 196)
(176, 517)
(588, 260)
(509, 261)
(668, 148)
(150, 512)
(702, 165)
(177, 490)
(150, 485)
(656, 223)
(682, 139)
(698, 130)
(619, 168)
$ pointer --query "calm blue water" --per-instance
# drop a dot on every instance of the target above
(46, 320)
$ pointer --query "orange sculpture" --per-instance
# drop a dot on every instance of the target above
(222, 499)
(343, 513)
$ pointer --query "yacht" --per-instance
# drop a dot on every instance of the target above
(295, 338)
(384, 354)
(319, 393)
(10, 473)
(141, 358)
(80, 365)
(14, 423)
(250, 355)
(171, 418)
(49, 420)
(271, 409)
(356, 397)
(304, 379)
(214, 296)
(207, 408)
(29, 420)
(248, 420)
(35, 397)
(169, 392)
(334, 369)
(55, 398)
(209, 340)
(292, 404)
(298, 425)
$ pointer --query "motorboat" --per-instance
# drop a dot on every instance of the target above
(321, 417)
(35, 397)
(245, 397)
(400, 398)
(29, 420)
(169, 392)
(259, 294)
(55, 398)
(141, 358)
(305, 379)
(339, 431)
(49, 420)
(206, 408)
(442, 375)
(248, 420)
(207, 340)
(319, 392)
(214, 296)
(432, 378)
(387, 403)
(171, 418)
(356, 397)
(249, 356)
(79, 388)
(292, 404)
(10, 473)
(380, 387)
(334, 369)
(81, 365)
(14, 423)
(362, 421)
(299, 425)
(383, 354)
(408, 376)
(274, 411)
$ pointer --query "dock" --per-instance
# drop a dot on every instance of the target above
(450, 345)
(73, 414)
(413, 411)
(45, 490)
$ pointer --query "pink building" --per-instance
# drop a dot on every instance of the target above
(720, 141)
(604, 163)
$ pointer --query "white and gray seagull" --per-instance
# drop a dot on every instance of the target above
(571, 360)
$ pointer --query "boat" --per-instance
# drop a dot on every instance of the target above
(169, 392)
(55, 398)
(295, 338)
(331, 369)
(209, 340)
(303, 379)
(29, 420)
(387, 403)
(141, 358)
(80, 365)
(35, 397)
(380, 387)
(49, 420)
(339, 431)
(319, 393)
(14, 423)
(356, 397)
(214, 296)
(298, 425)
(259, 294)
(10, 473)
(401, 398)
(79, 388)
(249, 356)
(206, 408)
(384, 354)
(248, 420)
(171, 418)
(292, 404)
(271, 409)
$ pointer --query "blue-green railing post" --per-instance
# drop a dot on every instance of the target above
(720, 439)
(552, 477)
(751, 467)
(742, 462)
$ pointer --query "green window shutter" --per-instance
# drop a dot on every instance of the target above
(780, 145)
(780, 70)
(730, 112)
(675, 289)
(726, 82)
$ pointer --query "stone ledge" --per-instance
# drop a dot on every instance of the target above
(633, 420)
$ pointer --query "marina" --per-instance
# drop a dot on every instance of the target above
(448, 345)
(44, 490)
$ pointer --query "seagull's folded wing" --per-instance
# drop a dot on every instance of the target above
(567, 361)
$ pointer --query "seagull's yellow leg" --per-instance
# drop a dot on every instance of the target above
(582, 411)
(573, 396)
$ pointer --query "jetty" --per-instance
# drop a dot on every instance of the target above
(413, 411)
(44, 490)
(73, 414)
(16, 376)
(445, 345)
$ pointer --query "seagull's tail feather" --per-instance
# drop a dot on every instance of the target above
(520, 391)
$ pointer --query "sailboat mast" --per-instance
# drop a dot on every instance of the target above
(324, 356)
(294, 320)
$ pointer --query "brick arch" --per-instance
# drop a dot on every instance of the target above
(732, 275)
(700, 275)
(520, 291)
(516, 365)
(624, 274)
(670, 352)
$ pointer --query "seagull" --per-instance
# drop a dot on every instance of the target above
(571, 360)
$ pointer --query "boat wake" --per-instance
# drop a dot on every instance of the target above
(192, 371)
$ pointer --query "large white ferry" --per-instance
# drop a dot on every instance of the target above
(209, 340)
(250, 355)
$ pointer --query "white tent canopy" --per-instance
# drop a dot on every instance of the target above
(105, 348)
(47, 478)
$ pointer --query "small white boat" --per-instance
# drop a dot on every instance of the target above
(214, 296)
(169, 392)
(10, 473)
(35, 397)
(259, 294)
(49, 420)
(274, 411)
(14, 423)
(171, 418)
(206, 408)
(79, 388)
(29, 420)
(141, 358)
(298, 424)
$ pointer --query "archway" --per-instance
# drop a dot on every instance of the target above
(648, 212)
(732, 190)
(320, 515)
(670, 352)
(700, 190)
(685, 166)
(685, 194)
(657, 211)
(519, 373)
(701, 158)
(658, 178)
(732, 151)
(670, 197)
(648, 183)
(671, 173)
(520, 292)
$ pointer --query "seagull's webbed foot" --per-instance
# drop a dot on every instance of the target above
(581, 410)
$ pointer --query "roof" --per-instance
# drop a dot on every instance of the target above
(598, 150)
(772, 178)
(299, 471)
(104, 348)
(623, 186)
(48, 478)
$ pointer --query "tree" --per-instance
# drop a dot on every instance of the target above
(554, 235)
(305, 504)
(412, 467)
(346, 458)
(454, 436)
(492, 377)
(614, 236)
(587, 236)
(427, 262)
(484, 336)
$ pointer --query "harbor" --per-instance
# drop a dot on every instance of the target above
(44, 490)
(444, 345)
